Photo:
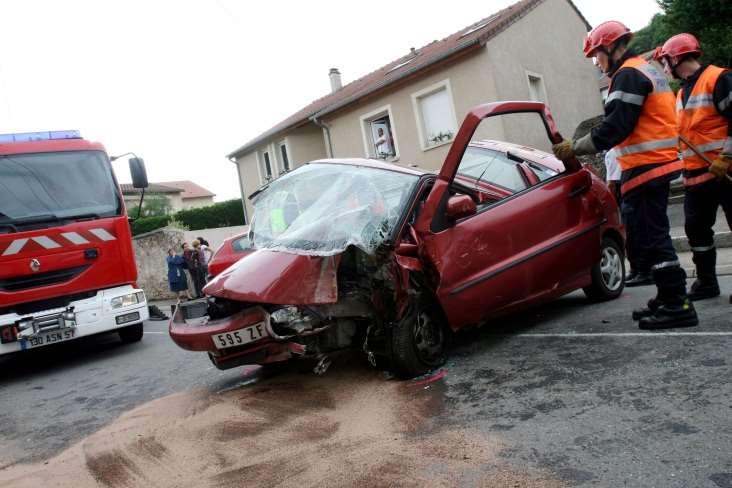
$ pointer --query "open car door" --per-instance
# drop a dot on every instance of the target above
(540, 241)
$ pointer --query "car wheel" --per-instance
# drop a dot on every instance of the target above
(607, 275)
(418, 341)
(131, 333)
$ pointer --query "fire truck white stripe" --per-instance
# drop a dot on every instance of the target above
(15, 247)
(102, 234)
(46, 242)
(74, 238)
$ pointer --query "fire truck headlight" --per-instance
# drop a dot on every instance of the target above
(127, 300)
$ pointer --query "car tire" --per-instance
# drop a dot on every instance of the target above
(131, 333)
(418, 341)
(608, 275)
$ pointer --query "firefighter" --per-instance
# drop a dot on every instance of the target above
(640, 122)
(704, 116)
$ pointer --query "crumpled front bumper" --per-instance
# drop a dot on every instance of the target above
(268, 349)
(199, 337)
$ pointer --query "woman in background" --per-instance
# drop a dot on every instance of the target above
(176, 275)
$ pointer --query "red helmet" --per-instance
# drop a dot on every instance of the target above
(677, 46)
(603, 35)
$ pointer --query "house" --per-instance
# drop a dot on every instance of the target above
(181, 195)
(408, 111)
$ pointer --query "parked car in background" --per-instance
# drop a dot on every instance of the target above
(232, 250)
(390, 259)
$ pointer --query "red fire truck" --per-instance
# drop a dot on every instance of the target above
(67, 268)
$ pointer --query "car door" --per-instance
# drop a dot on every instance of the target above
(536, 242)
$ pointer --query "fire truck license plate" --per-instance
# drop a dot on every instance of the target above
(49, 338)
(239, 337)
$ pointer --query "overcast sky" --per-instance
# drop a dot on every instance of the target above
(182, 83)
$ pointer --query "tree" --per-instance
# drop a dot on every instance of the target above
(708, 20)
(152, 206)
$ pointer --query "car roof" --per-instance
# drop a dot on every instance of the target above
(524, 152)
(376, 164)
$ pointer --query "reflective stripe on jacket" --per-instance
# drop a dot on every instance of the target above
(700, 122)
(654, 139)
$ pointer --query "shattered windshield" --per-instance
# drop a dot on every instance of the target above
(320, 209)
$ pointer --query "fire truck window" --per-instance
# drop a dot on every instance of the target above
(61, 184)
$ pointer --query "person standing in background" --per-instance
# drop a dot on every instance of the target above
(176, 275)
(205, 256)
(190, 269)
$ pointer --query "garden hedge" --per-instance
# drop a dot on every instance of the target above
(222, 214)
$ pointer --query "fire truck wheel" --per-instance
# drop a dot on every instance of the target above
(131, 333)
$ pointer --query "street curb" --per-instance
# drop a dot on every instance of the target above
(721, 239)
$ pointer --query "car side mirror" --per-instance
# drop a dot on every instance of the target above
(138, 172)
(459, 206)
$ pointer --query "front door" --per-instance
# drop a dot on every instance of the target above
(526, 245)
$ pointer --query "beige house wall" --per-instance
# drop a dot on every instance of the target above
(471, 83)
(547, 42)
(249, 179)
(197, 202)
(305, 144)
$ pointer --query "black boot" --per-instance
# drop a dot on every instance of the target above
(639, 279)
(671, 317)
(706, 284)
(648, 310)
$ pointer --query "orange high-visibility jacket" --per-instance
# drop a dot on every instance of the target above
(699, 121)
(654, 140)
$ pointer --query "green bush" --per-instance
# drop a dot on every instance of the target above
(147, 224)
(222, 214)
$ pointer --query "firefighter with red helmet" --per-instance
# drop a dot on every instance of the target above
(704, 116)
(640, 122)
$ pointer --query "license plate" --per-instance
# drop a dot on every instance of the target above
(47, 338)
(239, 337)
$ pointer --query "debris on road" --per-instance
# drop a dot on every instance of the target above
(349, 428)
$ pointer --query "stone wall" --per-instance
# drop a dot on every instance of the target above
(151, 249)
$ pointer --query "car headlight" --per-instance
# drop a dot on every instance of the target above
(127, 300)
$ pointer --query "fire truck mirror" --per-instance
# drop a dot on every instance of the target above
(138, 172)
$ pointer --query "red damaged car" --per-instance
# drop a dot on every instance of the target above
(232, 250)
(390, 260)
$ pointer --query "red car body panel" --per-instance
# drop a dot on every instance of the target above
(530, 247)
(281, 278)
(226, 255)
(115, 261)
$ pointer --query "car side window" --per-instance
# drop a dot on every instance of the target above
(241, 244)
(542, 172)
(494, 167)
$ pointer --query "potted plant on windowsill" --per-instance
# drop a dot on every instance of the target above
(439, 138)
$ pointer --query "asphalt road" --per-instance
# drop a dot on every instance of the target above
(571, 388)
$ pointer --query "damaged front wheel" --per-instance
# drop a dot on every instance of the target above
(418, 341)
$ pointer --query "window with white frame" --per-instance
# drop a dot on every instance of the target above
(284, 157)
(537, 91)
(379, 134)
(265, 167)
(435, 114)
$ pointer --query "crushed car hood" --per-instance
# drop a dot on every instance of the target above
(279, 278)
